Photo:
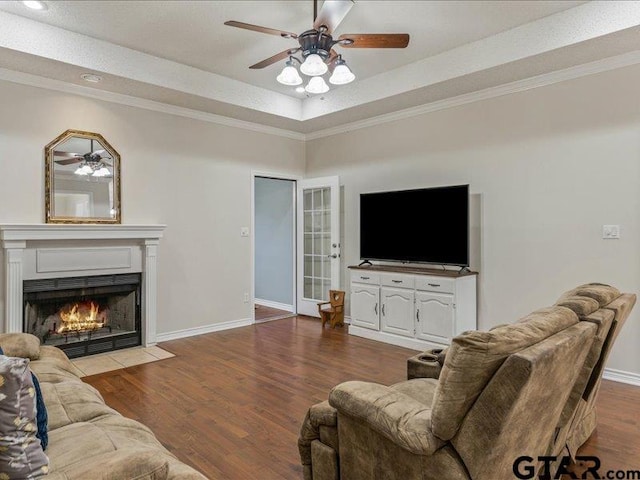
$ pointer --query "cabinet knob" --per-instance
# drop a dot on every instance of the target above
(375, 308)
(364, 278)
(434, 284)
(396, 281)
(333, 255)
(418, 314)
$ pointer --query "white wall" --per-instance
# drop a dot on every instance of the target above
(273, 199)
(546, 167)
(193, 176)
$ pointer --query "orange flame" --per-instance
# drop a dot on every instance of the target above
(80, 317)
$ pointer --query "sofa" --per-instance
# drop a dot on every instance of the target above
(525, 389)
(88, 439)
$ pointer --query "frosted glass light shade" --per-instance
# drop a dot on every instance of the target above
(84, 170)
(317, 85)
(314, 66)
(342, 75)
(289, 76)
(102, 172)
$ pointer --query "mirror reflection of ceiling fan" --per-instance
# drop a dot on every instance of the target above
(94, 162)
(316, 47)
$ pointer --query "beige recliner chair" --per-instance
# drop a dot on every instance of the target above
(515, 390)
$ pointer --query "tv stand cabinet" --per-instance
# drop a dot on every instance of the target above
(412, 307)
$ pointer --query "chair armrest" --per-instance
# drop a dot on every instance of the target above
(396, 416)
(318, 415)
(426, 364)
(22, 345)
(323, 303)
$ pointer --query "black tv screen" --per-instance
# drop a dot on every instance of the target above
(429, 225)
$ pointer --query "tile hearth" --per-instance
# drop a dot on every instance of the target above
(116, 360)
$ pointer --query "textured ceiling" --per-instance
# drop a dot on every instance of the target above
(180, 53)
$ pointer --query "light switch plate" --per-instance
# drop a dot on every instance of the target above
(611, 231)
(244, 231)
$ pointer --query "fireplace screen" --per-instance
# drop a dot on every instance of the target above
(84, 315)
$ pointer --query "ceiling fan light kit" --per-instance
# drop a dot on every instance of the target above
(316, 46)
(317, 85)
(289, 75)
(314, 66)
(341, 74)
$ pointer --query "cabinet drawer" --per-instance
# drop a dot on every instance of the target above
(435, 284)
(365, 277)
(397, 280)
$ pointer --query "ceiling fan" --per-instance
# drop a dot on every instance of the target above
(94, 162)
(316, 47)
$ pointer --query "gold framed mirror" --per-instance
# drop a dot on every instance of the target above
(82, 179)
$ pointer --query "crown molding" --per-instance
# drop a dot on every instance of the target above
(128, 100)
(599, 66)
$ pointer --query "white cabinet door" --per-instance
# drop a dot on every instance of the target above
(396, 312)
(365, 306)
(435, 316)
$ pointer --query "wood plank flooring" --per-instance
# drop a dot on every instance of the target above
(230, 403)
(266, 313)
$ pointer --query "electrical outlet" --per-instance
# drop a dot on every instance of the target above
(244, 231)
(611, 231)
(245, 297)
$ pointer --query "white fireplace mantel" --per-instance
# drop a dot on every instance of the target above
(37, 251)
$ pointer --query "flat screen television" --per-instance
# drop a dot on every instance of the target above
(428, 225)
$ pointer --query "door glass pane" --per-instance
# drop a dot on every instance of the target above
(308, 222)
(317, 238)
(326, 198)
(308, 267)
(308, 291)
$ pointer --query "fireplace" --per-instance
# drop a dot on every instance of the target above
(84, 315)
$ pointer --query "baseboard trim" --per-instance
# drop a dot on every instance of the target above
(621, 376)
(214, 327)
(406, 342)
(271, 304)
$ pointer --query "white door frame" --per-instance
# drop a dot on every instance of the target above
(252, 235)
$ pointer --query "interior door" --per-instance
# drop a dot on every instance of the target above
(318, 242)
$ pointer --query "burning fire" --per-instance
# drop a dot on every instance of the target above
(81, 317)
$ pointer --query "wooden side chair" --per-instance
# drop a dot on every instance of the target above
(334, 314)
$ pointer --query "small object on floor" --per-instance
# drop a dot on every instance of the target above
(334, 314)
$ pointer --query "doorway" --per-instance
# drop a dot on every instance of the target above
(274, 207)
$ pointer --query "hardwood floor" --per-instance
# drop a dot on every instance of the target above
(266, 313)
(230, 403)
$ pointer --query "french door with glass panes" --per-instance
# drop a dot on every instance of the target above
(318, 242)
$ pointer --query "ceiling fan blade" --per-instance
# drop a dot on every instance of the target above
(59, 153)
(107, 162)
(276, 58)
(375, 40)
(69, 161)
(258, 28)
(332, 13)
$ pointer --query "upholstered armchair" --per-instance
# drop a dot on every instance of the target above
(517, 390)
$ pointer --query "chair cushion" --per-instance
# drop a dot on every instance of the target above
(22, 345)
(475, 356)
(583, 306)
(395, 415)
(600, 292)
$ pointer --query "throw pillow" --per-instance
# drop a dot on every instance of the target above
(41, 411)
(21, 454)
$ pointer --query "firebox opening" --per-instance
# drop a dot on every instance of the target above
(84, 315)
